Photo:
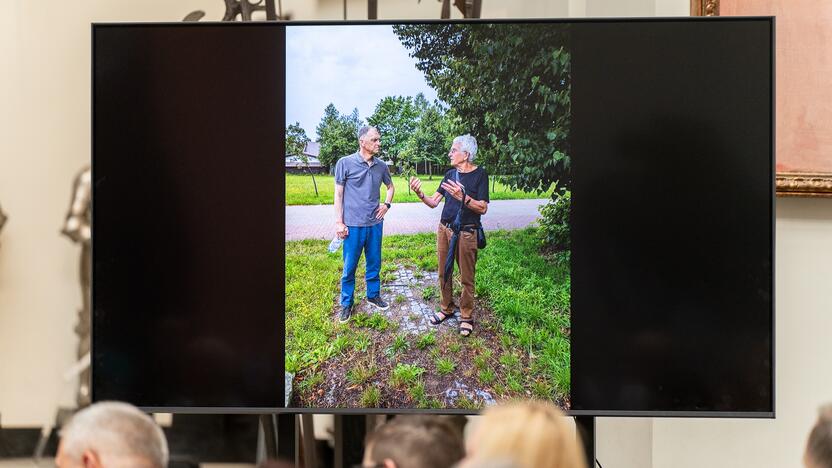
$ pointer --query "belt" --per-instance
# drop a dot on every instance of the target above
(464, 227)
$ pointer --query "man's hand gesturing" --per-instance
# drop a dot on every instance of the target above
(416, 186)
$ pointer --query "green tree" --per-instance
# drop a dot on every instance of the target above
(337, 134)
(429, 144)
(509, 86)
(395, 117)
(296, 141)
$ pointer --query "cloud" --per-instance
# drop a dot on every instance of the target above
(350, 66)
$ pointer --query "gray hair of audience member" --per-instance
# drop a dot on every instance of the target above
(365, 130)
(468, 144)
(118, 433)
(819, 447)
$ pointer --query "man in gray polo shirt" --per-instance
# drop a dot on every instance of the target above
(359, 217)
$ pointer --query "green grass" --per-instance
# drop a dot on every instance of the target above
(405, 375)
(362, 343)
(428, 339)
(310, 382)
(529, 294)
(375, 321)
(445, 366)
(429, 292)
(310, 326)
(370, 397)
(510, 361)
(312, 283)
(361, 373)
(487, 376)
(300, 191)
(400, 344)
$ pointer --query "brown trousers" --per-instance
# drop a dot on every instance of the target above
(466, 259)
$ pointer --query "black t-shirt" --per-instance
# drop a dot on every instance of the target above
(476, 186)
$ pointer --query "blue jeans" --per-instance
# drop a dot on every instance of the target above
(368, 240)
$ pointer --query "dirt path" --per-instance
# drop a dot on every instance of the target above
(397, 359)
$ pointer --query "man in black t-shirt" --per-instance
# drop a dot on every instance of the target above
(465, 188)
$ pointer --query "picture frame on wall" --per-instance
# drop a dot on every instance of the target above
(803, 115)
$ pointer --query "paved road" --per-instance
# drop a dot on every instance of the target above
(316, 221)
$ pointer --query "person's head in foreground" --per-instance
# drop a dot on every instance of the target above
(819, 447)
(413, 442)
(528, 434)
(112, 435)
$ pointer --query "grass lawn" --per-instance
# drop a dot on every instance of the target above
(528, 293)
(300, 190)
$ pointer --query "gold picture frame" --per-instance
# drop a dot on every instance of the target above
(807, 180)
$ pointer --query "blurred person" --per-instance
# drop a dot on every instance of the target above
(359, 217)
(531, 434)
(465, 190)
(112, 435)
(819, 446)
(413, 442)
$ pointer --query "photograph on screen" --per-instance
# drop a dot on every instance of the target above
(427, 215)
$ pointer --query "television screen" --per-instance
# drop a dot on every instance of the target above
(435, 216)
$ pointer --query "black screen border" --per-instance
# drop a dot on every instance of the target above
(364, 411)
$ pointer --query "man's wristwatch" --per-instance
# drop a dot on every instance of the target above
(388, 205)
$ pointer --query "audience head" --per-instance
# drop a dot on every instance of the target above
(529, 434)
(112, 435)
(819, 447)
(414, 442)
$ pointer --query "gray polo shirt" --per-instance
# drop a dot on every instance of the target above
(361, 183)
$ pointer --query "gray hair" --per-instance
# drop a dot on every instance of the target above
(819, 446)
(119, 433)
(468, 144)
(364, 130)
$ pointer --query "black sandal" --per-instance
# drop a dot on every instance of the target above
(466, 331)
(436, 319)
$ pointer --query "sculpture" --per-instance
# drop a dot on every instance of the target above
(78, 228)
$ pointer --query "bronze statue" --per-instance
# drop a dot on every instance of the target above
(244, 9)
(78, 227)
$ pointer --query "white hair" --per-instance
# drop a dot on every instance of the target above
(468, 144)
(118, 433)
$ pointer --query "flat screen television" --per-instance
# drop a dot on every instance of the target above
(275, 204)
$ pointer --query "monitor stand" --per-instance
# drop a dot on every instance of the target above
(585, 426)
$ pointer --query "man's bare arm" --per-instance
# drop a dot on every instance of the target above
(339, 203)
(340, 228)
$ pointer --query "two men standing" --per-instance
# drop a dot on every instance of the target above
(359, 217)
(359, 221)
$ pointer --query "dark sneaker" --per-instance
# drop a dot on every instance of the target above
(379, 303)
(346, 313)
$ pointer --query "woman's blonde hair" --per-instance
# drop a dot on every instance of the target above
(532, 434)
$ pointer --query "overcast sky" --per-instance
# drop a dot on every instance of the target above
(349, 66)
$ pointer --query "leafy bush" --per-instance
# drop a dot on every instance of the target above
(554, 221)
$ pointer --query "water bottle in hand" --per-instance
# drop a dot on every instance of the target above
(335, 244)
